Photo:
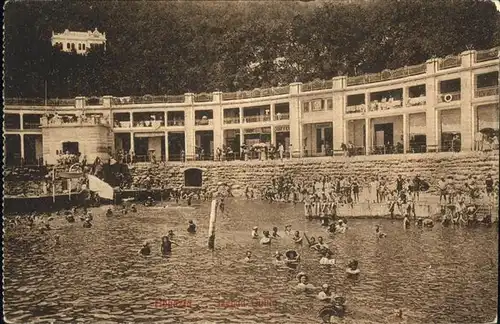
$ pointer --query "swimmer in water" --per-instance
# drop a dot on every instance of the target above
(278, 258)
(313, 244)
(266, 239)
(149, 201)
(322, 246)
(133, 208)
(378, 232)
(275, 232)
(89, 216)
(255, 234)
(428, 222)
(166, 246)
(326, 294)
(171, 234)
(191, 227)
(288, 229)
(406, 222)
(248, 257)
(109, 212)
(87, 223)
(352, 268)
(297, 239)
(327, 258)
(57, 242)
(146, 249)
(304, 285)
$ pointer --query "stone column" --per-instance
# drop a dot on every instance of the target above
(466, 95)
(273, 136)
(272, 112)
(21, 121)
(22, 145)
(295, 120)
(406, 142)
(80, 103)
(345, 134)
(217, 122)
(189, 132)
(242, 139)
(132, 143)
(131, 119)
(339, 104)
(241, 115)
(106, 101)
(431, 101)
(166, 144)
(368, 136)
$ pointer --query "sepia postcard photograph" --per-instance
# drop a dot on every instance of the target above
(282, 162)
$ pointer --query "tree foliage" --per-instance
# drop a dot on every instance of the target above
(173, 47)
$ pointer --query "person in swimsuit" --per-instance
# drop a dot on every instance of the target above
(255, 234)
(146, 249)
(275, 232)
(288, 229)
(191, 227)
(297, 238)
(248, 257)
(166, 246)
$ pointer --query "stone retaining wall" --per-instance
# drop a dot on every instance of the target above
(258, 174)
(430, 167)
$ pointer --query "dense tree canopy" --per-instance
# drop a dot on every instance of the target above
(178, 47)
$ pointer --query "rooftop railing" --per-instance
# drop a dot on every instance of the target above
(449, 62)
(256, 93)
(487, 55)
(147, 99)
(387, 75)
(317, 84)
(203, 97)
(39, 102)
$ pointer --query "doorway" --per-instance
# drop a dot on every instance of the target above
(384, 138)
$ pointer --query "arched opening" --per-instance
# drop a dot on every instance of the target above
(193, 177)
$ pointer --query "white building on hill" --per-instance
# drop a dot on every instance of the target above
(81, 42)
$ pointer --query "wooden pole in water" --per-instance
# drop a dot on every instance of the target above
(69, 189)
(211, 227)
(54, 184)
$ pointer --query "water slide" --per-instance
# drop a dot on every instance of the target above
(103, 189)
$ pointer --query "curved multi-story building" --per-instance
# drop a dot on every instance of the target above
(420, 108)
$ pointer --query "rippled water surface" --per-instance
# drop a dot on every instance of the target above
(442, 275)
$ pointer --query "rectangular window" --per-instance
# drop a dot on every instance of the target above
(68, 46)
(329, 104)
(79, 47)
(83, 46)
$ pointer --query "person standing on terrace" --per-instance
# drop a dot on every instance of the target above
(281, 150)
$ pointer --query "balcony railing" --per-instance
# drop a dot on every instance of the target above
(121, 124)
(282, 116)
(317, 85)
(256, 119)
(448, 97)
(149, 123)
(487, 55)
(450, 62)
(12, 126)
(178, 122)
(58, 121)
(231, 120)
(485, 92)
(385, 105)
(355, 109)
(204, 122)
(417, 101)
(39, 102)
(27, 125)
